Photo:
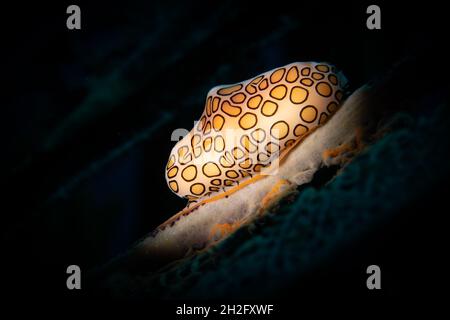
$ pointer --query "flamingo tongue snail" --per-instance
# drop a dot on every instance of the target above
(247, 127)
(256, 141)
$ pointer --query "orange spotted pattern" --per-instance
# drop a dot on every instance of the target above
(245, 126)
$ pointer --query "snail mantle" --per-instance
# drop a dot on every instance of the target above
(198, 228)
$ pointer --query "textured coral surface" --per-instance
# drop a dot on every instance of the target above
(390, 174)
